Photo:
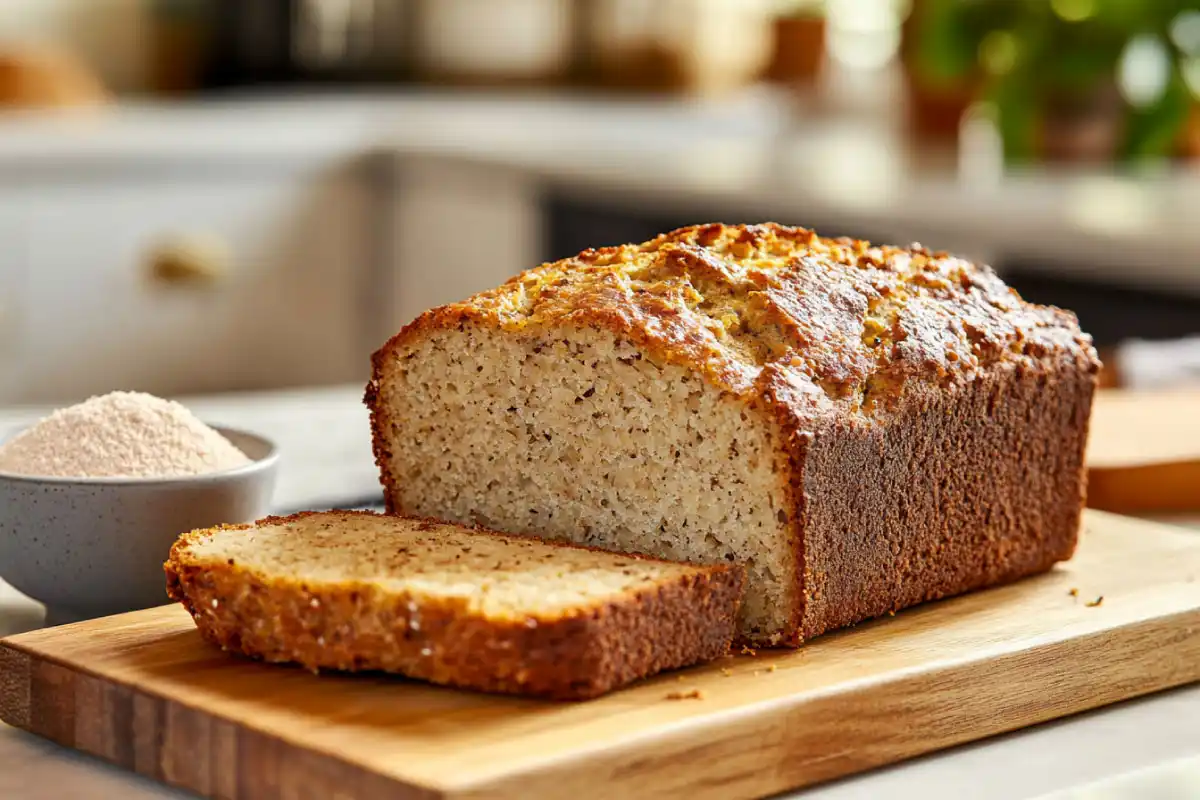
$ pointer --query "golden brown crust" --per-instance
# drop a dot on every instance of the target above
(825, 335)
(972, 488)
(353, 626)
(380, 424)
(817, 325)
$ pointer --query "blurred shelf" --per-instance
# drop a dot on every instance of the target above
(761, 154)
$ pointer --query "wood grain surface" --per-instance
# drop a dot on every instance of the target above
(142, 690)
(1144, 452)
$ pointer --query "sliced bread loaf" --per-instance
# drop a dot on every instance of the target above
(864, 428)
(361, 591)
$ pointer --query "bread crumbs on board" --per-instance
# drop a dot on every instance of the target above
(749, 651)
(1093, 603)
(694, 694)
(1073, 592)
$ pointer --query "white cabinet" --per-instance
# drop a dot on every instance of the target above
(453, 230)
(290, 252)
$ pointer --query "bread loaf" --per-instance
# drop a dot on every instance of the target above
(864, 428)
(359, 591)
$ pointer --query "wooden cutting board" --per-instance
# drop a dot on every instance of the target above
(1144, 452)
(143, 691)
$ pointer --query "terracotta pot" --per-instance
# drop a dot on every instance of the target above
(935, 111)
(1189, 145)
(1080, 127)
(799, 50)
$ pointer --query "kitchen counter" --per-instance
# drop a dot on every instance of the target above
(326, 459)
(762, 154)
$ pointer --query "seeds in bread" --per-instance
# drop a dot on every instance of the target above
(469, 608)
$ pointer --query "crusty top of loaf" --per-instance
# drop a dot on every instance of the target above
(781, 314)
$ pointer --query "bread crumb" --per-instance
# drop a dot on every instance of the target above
(1073, 592)
(726, 672)
(694, 694)
(1093, 603)
(770, 668)
(892, 613)
(749, 651)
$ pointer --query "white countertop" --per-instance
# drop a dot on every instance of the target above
(756, 156)
(326, 458)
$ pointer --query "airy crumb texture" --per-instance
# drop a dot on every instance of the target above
(120, 435)
(864, 428)
(359, 591)
(610, 445)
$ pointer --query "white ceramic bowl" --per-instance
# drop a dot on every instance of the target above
(90, 547)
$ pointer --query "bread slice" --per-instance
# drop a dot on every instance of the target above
(864, 428)
(361, 591)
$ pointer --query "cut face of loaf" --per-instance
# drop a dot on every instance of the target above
(358, 591)
(862, 428)
(582, 439)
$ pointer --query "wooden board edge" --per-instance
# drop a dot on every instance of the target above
(14, 686)
(173, 742)
(748, 752)
(762, 751)
(1145, 488)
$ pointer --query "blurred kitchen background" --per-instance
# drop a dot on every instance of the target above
(200, 196)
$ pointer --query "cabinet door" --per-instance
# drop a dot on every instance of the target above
(280, 306)
(455, 230)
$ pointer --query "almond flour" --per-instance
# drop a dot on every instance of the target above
(120, 435)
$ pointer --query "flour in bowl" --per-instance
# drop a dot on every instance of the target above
(120, 435)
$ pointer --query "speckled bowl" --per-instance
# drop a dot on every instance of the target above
(92, 547)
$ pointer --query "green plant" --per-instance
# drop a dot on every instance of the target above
(1032, 56)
